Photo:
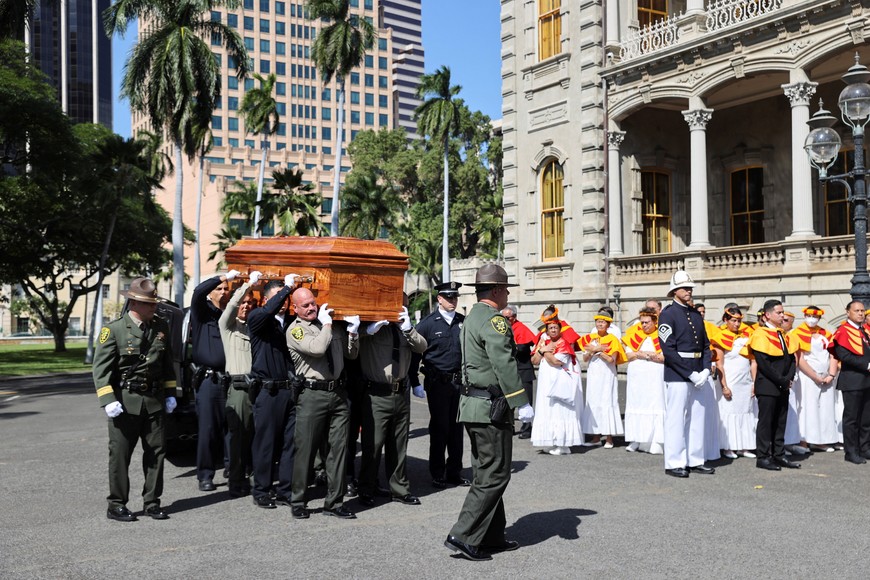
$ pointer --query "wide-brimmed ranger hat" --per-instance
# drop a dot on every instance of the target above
(491, 275)
(142, 290)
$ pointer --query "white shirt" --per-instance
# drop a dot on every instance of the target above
(447, 316)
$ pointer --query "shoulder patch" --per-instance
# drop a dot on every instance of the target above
(665, 331)
(499, 324)
(297, 332)
(104, 335)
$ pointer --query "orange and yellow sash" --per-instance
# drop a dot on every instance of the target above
(803, 334)
(611, 344)
(766, 340)
(725, 339)
(849, 338)
(635, 336)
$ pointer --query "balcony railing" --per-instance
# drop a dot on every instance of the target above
(726, 13)
(649, 39)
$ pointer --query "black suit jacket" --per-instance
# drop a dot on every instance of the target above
(853, 369)
(775, 373)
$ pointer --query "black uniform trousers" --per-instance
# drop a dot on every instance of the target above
(856, 423)
(386, 422)
(482, 519)
(445, 433)
(321, 415)
(124, 431)
(211, 402)
(770, 431)
(240, 431)
(274, 442)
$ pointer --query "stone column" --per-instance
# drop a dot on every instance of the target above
(700, 232)
(612, 35)
(799, 95)
(614, 191)
(694, 6)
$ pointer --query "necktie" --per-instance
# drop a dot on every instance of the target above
(865, 337)
(782, 342)
(394, 368)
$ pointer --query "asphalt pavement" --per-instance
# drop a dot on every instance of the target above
(594, 514)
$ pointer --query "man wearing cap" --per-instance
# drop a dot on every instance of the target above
(441, 363)
(135, 382)
(210, 380)
(686, 350)
(491, 390)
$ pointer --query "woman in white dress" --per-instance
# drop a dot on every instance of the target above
(736, 411)
(603, 351)
(557, 414)
(645, 389)
(817, 370)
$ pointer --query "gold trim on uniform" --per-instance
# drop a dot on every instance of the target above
(499, 324)
(107, 390)
(515, 393)
(297, 332)
(104, 335)
(169, 385)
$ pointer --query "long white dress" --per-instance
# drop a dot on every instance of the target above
(818, 404)
(793, 432)
(737, 416)
(555, 423)
(707, 399)
(601, 414)
(645, 401)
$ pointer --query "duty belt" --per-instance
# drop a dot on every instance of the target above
(324, 385)
(477, 392)
(691, 354)
(452, 377)
(276, 384)
(394, 387)
(137, 387)
(239, 382)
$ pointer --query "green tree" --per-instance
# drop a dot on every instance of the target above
(295, 204)
(260, 111)
(369, 206)
(15, 16)
(340, 47)
(387, 154)
(438, 117)
(171, 70)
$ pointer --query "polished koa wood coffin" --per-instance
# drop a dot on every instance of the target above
(364, 277)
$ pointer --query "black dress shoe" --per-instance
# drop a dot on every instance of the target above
(702, 469)
(468, 552)
(120, 514)
(320, 479)
(299, 512)
(154, 512)
(783, 462)
(525, 435)
(340, 512)
(865, 454)
(206, 485)
(282, 500)
(265, 502)
(767, 464)
(352, 488)
(226, 472)
(459, 481)
(507, 546)
(677, 472)
(407, 499)
(856, 459)
(366, 499)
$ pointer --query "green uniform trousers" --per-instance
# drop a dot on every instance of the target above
(386, 421)
(321, 415)
(124, 431)
(482, 519)
(240, 423)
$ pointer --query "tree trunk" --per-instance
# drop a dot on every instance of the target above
(336, 179)
(265, 147)
(445, 244)
(178, 231)
(196, 244)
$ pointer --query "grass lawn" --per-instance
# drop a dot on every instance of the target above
(40, 359)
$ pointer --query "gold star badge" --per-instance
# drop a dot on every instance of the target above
(499, 324)
(104, 335)
(297, 332)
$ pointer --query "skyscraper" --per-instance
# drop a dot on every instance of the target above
(404, 19)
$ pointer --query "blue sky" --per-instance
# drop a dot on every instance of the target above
(461, 34)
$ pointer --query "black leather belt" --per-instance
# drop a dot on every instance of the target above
(442, 376)
(394, 387)
(137, 387)
(276, 384)
(239, 382)
(479, 393)
(324, 385)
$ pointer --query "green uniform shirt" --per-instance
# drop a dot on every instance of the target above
(234, 335)
(308, 343)
(118, 348)
(376, 354)
(488, 358)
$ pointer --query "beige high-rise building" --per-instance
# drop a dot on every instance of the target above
(279, 37)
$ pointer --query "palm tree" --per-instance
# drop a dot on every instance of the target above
(242, 201)
(438, 117)
(168, 72)
(197, 143)
(260, 111)
(226, 238)
(296, 206)
(15, 16)
(338, 48)
(369, 206)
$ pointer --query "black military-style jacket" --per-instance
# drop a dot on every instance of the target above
(682, 333)
(443, 353)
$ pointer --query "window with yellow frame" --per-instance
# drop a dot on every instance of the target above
(747, 206)
(549, 28)
(552, 211)
(651, 11)
(656, 189)
(838, 210)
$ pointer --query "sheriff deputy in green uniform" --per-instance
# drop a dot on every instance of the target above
(135, 382)
(492, 389)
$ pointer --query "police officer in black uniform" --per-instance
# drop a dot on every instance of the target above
(441, 365)
(274, 407)
(208, 302)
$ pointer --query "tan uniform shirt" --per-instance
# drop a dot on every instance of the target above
(376, 353)
(234, 335)
(308, 343)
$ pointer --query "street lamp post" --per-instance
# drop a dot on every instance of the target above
(823, 145)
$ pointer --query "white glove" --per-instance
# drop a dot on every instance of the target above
(405, 319)
(114, 409)
(526, 413)
(290, 279)
(171, 404)
(232, 274)
(254, 277)
(419, 391)
(352, 324)
(374, 327)
(702, 378)
(694, 377)
(323, 315)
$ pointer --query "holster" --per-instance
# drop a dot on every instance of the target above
(297, 383)
(500, 410)
(198, 376)
(254, 386)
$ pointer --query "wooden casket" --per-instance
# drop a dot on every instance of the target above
(364, 277)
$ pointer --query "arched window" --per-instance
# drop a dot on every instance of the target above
(656, 188)
(747, 206)
(552, 211)
(549, 28)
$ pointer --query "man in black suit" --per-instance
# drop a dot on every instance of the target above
(851, 346)
(776, 368)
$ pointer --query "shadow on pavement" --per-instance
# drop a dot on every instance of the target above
(540, 527)
(199, 501)
(17, 415)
